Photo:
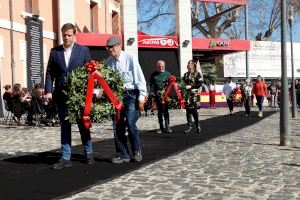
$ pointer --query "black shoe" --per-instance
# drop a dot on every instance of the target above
(138, 157)
(188, 130)
(89, 159)
(61, 164)
(119, 160)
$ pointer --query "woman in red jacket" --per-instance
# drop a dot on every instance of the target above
(260, 91)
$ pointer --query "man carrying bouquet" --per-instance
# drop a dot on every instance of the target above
(133, 100)
(62, 61)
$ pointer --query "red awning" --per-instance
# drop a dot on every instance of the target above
(170, 42)
(234, 2)
(93, 39)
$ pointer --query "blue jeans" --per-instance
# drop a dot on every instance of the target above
(259, 102)
(66, 134)
(128, 118)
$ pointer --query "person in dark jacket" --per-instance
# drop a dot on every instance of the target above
(7, 96)
(62, 61)
(158, 79)
(193, 81)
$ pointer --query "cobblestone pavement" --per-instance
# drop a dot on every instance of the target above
(234, 166)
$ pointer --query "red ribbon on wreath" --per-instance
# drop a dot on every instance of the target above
(173, 83)
(91, 67)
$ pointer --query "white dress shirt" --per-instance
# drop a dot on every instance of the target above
(67, 54)
(227, 89)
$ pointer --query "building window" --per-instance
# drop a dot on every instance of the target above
(32, 6)
(115, 23)
(94, 17)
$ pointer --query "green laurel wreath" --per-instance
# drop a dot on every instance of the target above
(102, 108)
(173, 100)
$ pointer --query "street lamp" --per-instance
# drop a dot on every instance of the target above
(293, 95)
(284, 101)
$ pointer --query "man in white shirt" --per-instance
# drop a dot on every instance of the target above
(227, 90)
(133, 100)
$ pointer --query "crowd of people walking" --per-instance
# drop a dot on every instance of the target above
(69, 56)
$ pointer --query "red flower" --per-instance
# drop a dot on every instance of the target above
(92, 65)
(172, 79)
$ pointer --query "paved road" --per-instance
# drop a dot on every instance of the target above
(234, 166)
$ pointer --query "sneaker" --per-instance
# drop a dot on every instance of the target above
(138, 157)
(89, 159)
(61, 164)
(260, 114)
(159, 131)
(188, 130)
(119, 160)
(168, 130)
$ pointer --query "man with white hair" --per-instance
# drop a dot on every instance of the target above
(133, 100)
(157, 82)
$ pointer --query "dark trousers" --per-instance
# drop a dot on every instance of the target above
(247, 103)
(192, 112)
(66, 133)
(162, 113)
(230, 105)
(127, 119)
(298, 100)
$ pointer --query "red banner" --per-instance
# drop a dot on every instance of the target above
(172, 83)
(234, 2)
(91, 67)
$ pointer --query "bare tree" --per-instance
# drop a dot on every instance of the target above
(215, 19)
(156, 17)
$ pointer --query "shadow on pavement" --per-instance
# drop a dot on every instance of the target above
(30, 176)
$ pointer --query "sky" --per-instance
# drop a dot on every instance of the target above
(296, 32)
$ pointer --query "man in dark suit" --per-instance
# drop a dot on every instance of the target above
(62, 61)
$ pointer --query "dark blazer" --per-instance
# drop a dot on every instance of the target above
(59, 73)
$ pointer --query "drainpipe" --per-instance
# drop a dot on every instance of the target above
(13, 65)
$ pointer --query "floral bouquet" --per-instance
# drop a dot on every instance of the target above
(102, 108)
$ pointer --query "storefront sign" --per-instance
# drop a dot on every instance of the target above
(220, 44)
(235, 2)
(157, 41)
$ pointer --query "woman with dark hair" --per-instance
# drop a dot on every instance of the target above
(7, 95)
(193, 81)
(17, 106)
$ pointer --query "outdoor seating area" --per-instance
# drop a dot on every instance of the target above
(28, 108)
